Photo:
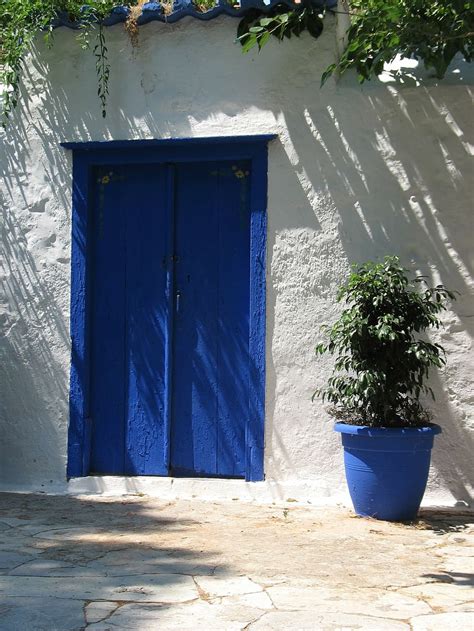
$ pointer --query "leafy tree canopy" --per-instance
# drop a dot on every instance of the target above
(432, 31)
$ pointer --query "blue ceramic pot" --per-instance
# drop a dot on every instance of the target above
(387, 469)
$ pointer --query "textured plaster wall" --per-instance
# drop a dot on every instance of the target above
(355, 173)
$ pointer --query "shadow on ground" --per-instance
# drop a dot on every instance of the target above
(78, 531)
(444, 521)
(135, 563)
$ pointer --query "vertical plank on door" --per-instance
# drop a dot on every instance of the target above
(147, 260)
(211, 330)
(233, 254)
(108, 384)
(194, 405)
(129, 320)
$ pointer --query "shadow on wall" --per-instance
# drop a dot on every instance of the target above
(392, 166)
(401, 189)
(379, 170)
(33, 386)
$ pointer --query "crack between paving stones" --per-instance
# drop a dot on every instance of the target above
(206, 596)
(17, 566)
(396, 590)
(413, 618)
(161, 572)
(260, 585)
(165, 603)
(40, 532)
(274, 584)
(265, 586)
(271, 600)
(367, 615)
(435, 609)
(118, 605)
(86, 602)
(249, 624)
(203, 595)
(85, 563)
(65, 577)
(322, 612)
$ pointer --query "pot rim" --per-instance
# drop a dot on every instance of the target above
(400, 432)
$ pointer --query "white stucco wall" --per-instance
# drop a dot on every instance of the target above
(356, 173)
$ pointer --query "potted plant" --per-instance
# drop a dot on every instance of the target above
(379, 374)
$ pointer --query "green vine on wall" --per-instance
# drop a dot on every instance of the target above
(433, 31)
(21, 20)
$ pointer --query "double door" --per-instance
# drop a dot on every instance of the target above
(169, 287)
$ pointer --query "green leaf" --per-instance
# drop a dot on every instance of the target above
(314, 25)
(327, 73)
(249, 43)
(263, 39)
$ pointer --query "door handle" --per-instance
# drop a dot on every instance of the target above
(178, 301)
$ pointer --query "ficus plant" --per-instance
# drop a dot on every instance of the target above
(382, 359)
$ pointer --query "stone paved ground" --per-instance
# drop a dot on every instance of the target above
(138, 563)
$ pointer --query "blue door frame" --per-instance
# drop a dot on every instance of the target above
(88, 156)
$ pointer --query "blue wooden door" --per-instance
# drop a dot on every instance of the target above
(169, 324)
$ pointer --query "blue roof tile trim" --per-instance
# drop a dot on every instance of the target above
(153, 11)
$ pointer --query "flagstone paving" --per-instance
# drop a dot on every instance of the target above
(138, 563)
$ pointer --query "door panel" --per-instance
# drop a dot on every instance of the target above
(108, 324)
(211, 328)
(144, 243)
(129, 320)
